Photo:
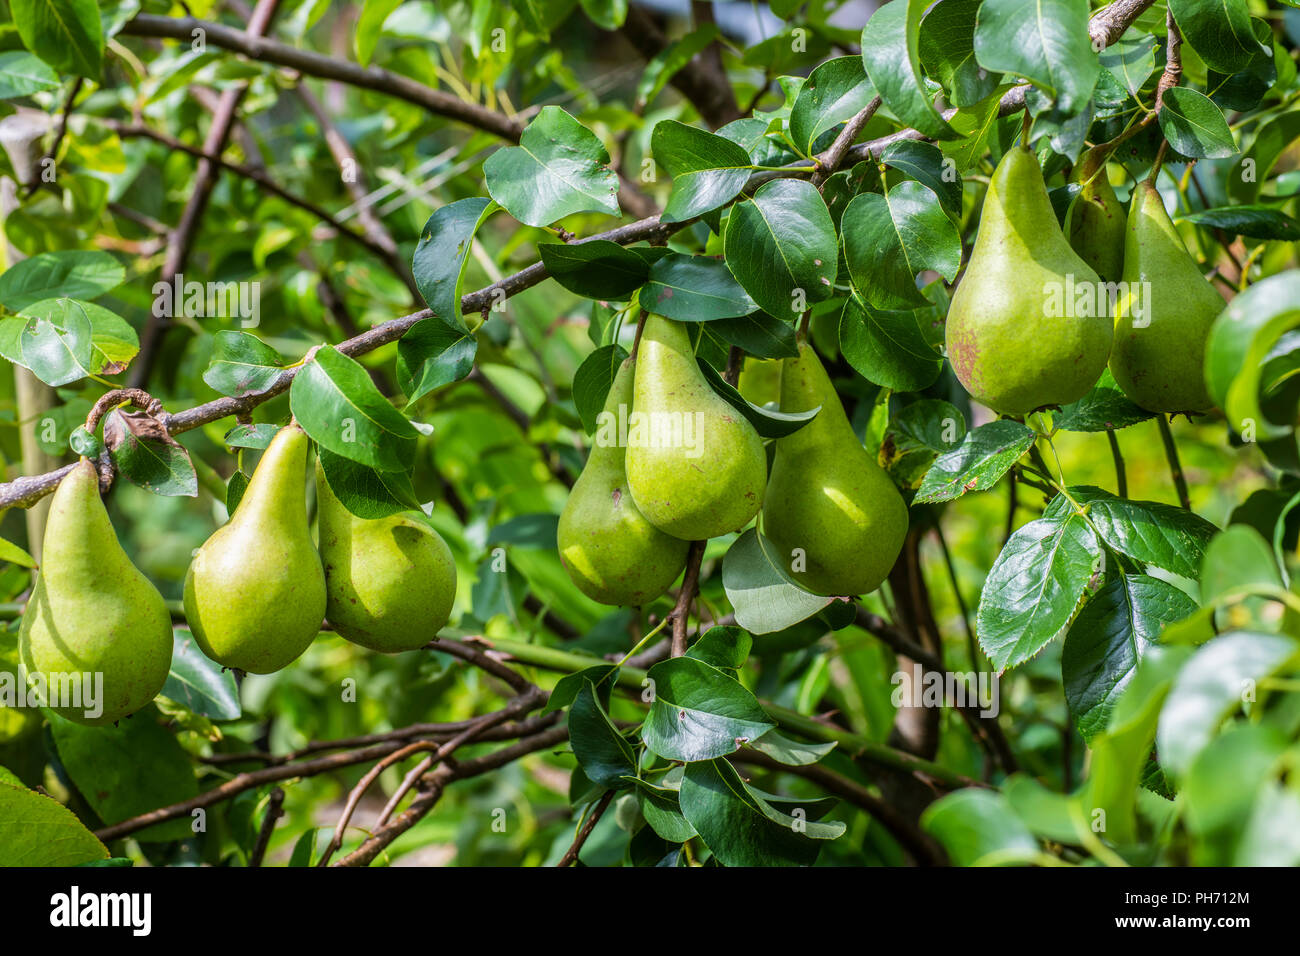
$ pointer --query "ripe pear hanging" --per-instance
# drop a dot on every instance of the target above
(1013, 334)
(830, 509)
(92, 611)
(1094, 224)
(255, 591)
(610, 551)
(390, 582)
(1165, 314)
(696, 467)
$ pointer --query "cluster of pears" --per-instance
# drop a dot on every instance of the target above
(1008, 349)
(255, 595)
(624, 532)
(258, 589)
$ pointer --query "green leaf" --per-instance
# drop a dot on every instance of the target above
(12, 554)
(978, 463)
(917, 435)
(1238, 561)
(1227, 777)
(725, 648)
(765, 597)
(889, 239)
(57, 354)
(366, 492)
(592, 381)
(662, 811)
(707, 170)
(792, 753)
(1255, 222)
(781, 247)
(1162, 535)
(113, 341)
(22, 74)
(1105, 407)
(979, 828)
(742, 827)
(947, 49)
(257, 436)
(128, 769)
(1108, 639)
(1218, 30)
(337, 404)
(757, 334)
(891, 53)
(694, 289)
(925, 163)
(66, 34)
(198, 684)
(146, 455)
(71, 274)
(1034, 588)
(370, 26)
(432, 354)
(699, 713)
(887, 346)
(1194, 126)
(1273, 138)
(768, 423)
(440, 256)
(1045, 41)
(598, 269)
(37, 831)
(669, 61)
(567, 687)
(1131, 59)
(558, 168)
(603, 754)
(834, 93)
(242, 364)
(606, 14)
(1212, 685)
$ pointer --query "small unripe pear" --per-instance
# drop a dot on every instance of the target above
(255, 591)
(390, 582)
(92, 611)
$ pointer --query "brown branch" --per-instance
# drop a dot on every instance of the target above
(436, 782)
(310, 63)
(690, 588)
(274, 810)
(571, 854)
(830, 160)
(60, 132)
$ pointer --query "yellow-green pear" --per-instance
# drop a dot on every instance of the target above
(1015, 333)
(832, 512)
(1094, 223)
(92, 613)
(255, 591)
(1164, 314)
(610, 551)
(695, 466)
(390, 582)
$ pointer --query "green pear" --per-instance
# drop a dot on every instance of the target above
(695, 466)
(92, 611)
(1164, 314)
(611, 552)
(833, 513)
(390, 582)
(1014, 335)
(255, 591)
(1094, 223)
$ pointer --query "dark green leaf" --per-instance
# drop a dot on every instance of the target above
(599, 269)
(367, 492)
(242, 364)
(1255, 222)
(725, 648)
(891, 53)
(694, 289)
(707, 170)
(147, 456)
(757, 334)
(978, 463)
(439, 260)
(947, 48)
(1194, 126)
(72, 274)
(768, 423)
(199, 685)
(603, 754)
(592, 381)
(834, 93)
(432, 354)
(927, 165)
(1104, 407)
(889, 239)
(699, 713)
(1045, 41)
(1218, 30)
(66, 34)
(887, 347)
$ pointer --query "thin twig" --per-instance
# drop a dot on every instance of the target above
(681, 611)
(1175, 466)
(1121, 475)
(274, 810)
(62, 131)
(571, 854)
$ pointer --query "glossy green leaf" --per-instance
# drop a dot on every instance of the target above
(1194, 126)
(764, 595)
(22, 74)
(891, 53)
(37, 831)
(599, 269)
(66, 34)
(707, 170)
(887, 346)
(432, 354)
(592, 381)
(440, 256)
(947, 49)
(694, 289)
(198, 684)
(979, 828)
(71, 274)
(367, 492)
(1045, 41)
(834, 93)
(242, 364)
(978, 463)
(699, 713)
(1218, 30)
(603, 754)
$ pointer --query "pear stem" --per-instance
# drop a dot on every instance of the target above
(1175, 466)
(640, 327)
(122, 396)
